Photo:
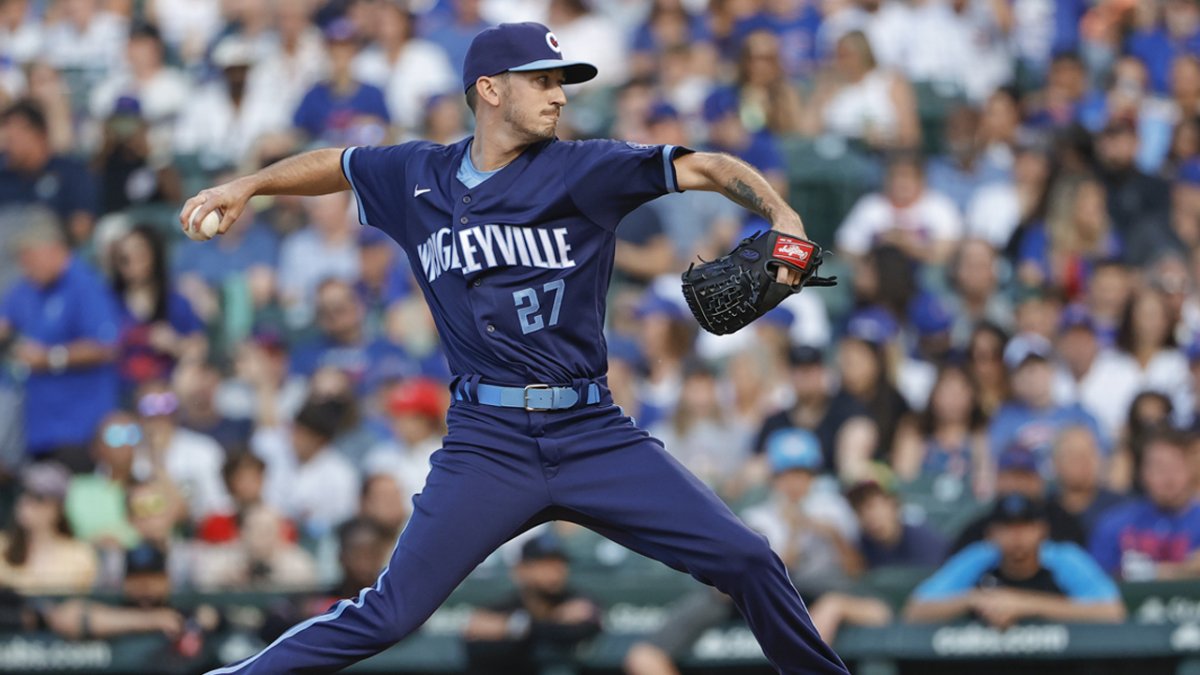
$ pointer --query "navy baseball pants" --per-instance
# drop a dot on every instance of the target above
(501, 471)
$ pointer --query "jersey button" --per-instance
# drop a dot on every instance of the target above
(491, 328)
(478, 283)
(467, 199)
(463, 220)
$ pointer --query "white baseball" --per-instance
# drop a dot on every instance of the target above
(208, 226)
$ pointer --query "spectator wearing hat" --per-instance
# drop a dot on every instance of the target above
(921, 222)
(1079, 477)
(702, 436)
(222, 124)
(863, 363)
(1103, 381)
(1155, 536)
(32, 173)
(808, 524)
(343, 110)
(410, 69)
(64, 328)
(545, 618)
(947, 446)
(127, 163)
(38, 554)
(847, 435)
(1018, 574)
(1019, 471)
(190, 461)
(307, 480)
(1031, 418)
(417, 415)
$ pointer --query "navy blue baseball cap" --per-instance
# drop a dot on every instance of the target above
(519, 47)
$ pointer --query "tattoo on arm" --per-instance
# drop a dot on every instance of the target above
(746, 197)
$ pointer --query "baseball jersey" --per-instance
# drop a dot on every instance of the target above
(515, 269)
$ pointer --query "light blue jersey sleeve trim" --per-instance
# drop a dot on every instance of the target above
(362, 213)
(960, 573)
(1080, 577)
(669, 168)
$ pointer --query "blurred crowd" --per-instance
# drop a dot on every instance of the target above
(1005, 381)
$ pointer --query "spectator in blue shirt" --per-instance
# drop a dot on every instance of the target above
(885, 540)
(31, 173)
(158, 326)
(727, 133)
(453, 30)
(1017, 574)
(65, 326)
(1031, 419)
(1155, 536)
(343, 110)
(1159, 44)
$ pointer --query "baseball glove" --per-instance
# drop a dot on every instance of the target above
(728, 293)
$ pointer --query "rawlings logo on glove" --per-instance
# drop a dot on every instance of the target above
(728, 293)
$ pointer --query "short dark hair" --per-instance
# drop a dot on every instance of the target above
(353, 527)
(472, 98)
(30, 111)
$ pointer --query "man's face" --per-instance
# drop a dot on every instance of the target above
(531, 103)
(1077, 459)
(547, 577)
(42, 263)
(1078, 347)
(879, 517)
(904, 184)
(362, 556)
(809, 380)
(384, 502)
(338, 312)
(23, 143)
(976, 271)
(1166, 476)
(147, 589)
(1031, 382)
(793, 485)
(1018, 542)
(1019, 481)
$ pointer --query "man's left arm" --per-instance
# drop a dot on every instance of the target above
(746, 187)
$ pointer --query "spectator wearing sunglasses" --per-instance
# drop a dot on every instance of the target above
(38, 555)
(95, 502)
(190, 460)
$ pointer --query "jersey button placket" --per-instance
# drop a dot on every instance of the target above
(491, 328)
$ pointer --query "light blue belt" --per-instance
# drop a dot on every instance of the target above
(534, 396)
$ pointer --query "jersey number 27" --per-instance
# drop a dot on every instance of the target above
(528, 306)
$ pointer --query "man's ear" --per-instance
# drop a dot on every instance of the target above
(488, 89)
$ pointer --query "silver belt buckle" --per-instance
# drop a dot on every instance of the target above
(535, 386)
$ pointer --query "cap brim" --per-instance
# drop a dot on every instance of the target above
(574, 71)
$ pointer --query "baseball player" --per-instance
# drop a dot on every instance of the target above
(510, 235)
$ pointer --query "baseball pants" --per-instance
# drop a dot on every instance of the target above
(502, 471)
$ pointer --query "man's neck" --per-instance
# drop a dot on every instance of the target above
(494, 149)
(1020, 571)
(1076, 498)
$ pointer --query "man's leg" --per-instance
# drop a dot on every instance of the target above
(628, 488)
(474, 500)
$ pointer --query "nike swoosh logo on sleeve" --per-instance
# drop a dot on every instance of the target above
(417, 191)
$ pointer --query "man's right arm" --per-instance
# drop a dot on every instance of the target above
(317, 172)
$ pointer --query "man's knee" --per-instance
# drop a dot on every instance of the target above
(647, 659)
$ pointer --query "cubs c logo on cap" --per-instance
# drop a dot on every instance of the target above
(552, 41)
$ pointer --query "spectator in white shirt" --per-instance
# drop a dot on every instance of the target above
(307, 480)
(410, 70)
(1102, 380)
(591, 37)
(222, 124)
(21, 32)
(161, 91)
(292, 64)
(191, 461)
(922, 223)
(1147, 333)
(86, 37)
